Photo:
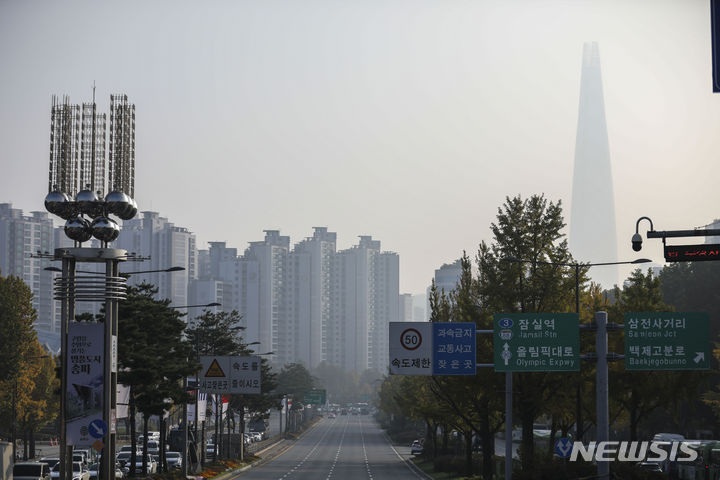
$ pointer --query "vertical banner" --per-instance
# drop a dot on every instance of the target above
(84, 400)
(123, 400)
(202, 407)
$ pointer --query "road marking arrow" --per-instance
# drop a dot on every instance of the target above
(700, 356)
(506, 355)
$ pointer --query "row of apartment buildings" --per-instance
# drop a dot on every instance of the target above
(308, 302)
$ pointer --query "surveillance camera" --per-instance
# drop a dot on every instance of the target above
(637, 242)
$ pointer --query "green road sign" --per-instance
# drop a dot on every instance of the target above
(667, 341)
(315, 397)
(536, 342)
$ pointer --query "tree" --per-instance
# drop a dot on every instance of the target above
(153, 357)
(529, 230)
(18, 343)
(219, 333)
(294, 379)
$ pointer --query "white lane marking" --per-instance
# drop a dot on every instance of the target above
(306, 456)
(337, 453)
(367, 462)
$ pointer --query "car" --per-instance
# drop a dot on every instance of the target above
(151, 464)
(332, 415)
(174, 460)
(80, 471)
(210, 451)
(650, 466)
(257, 436)
(94, 467)
(416, 448)
(123, 458)
(153, 447)
(31, 471)
(51, 461)
(85, 455)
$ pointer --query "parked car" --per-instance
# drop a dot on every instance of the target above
(173, 459)
(210, 451)
(151, 465)
(84, 453)
(51, 461)
(124, 457)
(31, 471)
(80, 471)
(257, 436)
(416, 448)
(153, 447)
(94, 467)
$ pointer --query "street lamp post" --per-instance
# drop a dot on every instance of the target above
(578, 392)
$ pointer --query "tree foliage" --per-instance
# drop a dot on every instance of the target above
(153, 355)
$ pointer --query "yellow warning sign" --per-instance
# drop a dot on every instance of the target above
(215, 371)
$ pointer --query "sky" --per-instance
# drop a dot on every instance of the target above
(407, 120)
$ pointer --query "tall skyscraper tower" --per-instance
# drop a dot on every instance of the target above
(592, 221)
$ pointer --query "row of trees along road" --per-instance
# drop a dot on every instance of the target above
(157, 350)
(474, 406)
(27, 371)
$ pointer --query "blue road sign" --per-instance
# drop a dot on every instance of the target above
(454, 348)
(563, 447)
(97, 428)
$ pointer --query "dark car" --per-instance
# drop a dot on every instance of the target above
(31, 471)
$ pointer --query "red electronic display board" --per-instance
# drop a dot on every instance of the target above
(692, 253)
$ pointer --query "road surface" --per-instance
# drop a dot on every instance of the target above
(349, 447)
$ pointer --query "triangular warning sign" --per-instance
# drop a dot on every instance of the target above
(214, 371)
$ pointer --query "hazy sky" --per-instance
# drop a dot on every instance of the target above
(407, 120)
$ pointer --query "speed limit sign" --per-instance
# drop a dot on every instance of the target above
(411, 339)
(411, 348)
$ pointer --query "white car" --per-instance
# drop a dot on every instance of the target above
(80, 471)
(257, 436)
(173, 459)
(151, 465)
(93, 470)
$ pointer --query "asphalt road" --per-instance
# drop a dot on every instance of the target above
(349, 447)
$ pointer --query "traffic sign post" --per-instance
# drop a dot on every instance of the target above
(230, 374)
(411, 351)
(454, 348)
(667, 341)
(439, 348)
(536, 342)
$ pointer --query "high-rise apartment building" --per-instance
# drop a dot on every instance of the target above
(270, 255)
(20, 237)
(446, 279)
(309, 291)
(310, 304)
(151, 235)
(366, 284)
(592, 222)
(405, 312)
